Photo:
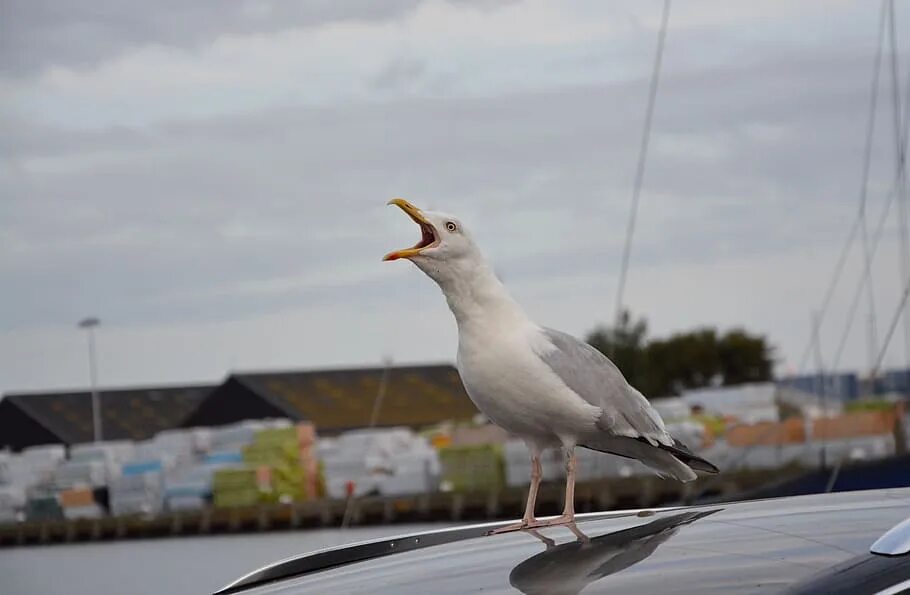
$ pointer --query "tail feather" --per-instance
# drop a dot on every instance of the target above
(682, 452)
(660, 460)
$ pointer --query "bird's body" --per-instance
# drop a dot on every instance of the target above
(544, 386)
(510, 383)
(531, 381)
(518, 393)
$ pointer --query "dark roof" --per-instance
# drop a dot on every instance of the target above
(343, 398)
(19, 430)
(126, 413)
(231, 402)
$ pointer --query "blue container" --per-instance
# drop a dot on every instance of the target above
(227, 456)
(188, 489)
(141, 467)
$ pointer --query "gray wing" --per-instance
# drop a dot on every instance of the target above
(597, 380)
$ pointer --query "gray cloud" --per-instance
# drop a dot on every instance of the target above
(35, 34)
(38, 33)
(207, 206)
(255, 236)
(399, 73)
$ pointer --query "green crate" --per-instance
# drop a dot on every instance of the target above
(234, 498)
(43, 508)
(266, 454)
(237, 477)
(478, 467)
(277, 436)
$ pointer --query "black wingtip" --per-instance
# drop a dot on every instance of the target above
(682, 452)
(700, 464)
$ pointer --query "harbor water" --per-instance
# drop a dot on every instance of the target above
(172, 566)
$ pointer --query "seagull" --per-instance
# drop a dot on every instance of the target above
(542, 385)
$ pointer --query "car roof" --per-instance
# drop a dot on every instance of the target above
(749, 547)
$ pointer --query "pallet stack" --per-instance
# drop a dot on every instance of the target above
(279, 464)
(139, 489)
(240, 486)
(289, 455)
(313, 479)
(80, 503)
(472, 468)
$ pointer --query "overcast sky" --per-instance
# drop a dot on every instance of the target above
(210, 178)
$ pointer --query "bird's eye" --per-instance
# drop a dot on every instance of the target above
(451, 226)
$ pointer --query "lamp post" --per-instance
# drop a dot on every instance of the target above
(89, 324)
(383, 386)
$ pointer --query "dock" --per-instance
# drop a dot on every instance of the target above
(503, 503)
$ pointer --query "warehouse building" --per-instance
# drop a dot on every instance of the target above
(841, 386)
(338, 400)
(894, 381)
(334, 400)
(29, 419)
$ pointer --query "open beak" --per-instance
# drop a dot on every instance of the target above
(428, 235)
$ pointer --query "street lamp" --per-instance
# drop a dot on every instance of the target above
(89, 324)
(383, 386)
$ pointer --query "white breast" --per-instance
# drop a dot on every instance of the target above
(512, 386)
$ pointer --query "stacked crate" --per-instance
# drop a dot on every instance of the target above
(12, 501)
(20, 473)
(80, 474)
(414, 470)
(35, 465)
(289, 455)
(80, 503)
(384, 461)
(239, 486)
(139, 489)
(518, 464)
(43, 506)
(313, 480)
(278, 451)
(191, 489)
(472, 468)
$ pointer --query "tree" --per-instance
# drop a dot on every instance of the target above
(687, 360)
(683, 361)
(625, 345)
(744, 358)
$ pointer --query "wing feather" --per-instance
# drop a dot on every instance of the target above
(597, 380)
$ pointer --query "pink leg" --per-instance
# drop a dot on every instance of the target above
(528, 518)
(536, 474)
(568, 511)
(569, 507)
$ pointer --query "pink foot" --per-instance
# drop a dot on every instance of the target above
(566, 519)
(514, 527)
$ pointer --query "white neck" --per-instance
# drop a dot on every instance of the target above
(475, 295)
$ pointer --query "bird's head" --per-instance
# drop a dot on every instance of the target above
(444, 242)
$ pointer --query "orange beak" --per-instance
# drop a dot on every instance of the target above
(428, 239)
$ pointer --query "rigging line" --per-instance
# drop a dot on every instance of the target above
(871, 338)
(860, 221)
(829, 293)
(895, 90)
(642, 159)
(891, 327)
(879, 231)
(854, 304)
(820, 371)
(904, 243)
